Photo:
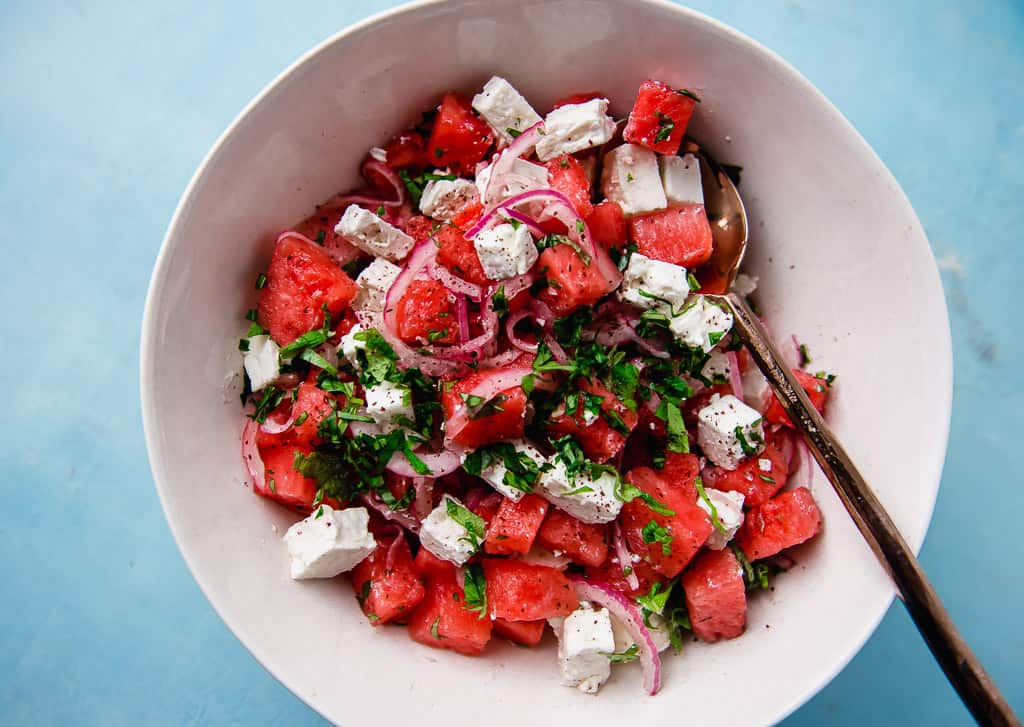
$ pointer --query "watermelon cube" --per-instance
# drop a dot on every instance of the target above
(817, 392)
(758, 477)
(584, 543)
(784, 521)
(459, 138)
(386, 583)
(716, 597)
(518, 591)
(524, 633)
(515, 527)
(659, 117)
(443, 622)
(572, 283)
(426, 314)
(504, 421)
(566, 175)
(679, 235)
(301, 280)
(458, 254)
(599, 439)
(607, 225)
(282, 483)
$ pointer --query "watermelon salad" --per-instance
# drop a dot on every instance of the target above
(493, 385)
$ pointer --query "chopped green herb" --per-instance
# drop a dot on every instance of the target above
(629, 177)
(665, 127)
(472, 400)
(521, 470)
(692, 281)
(805, 356)
(250, 315)
(381, 211)
(243, 344)
(319, 512)
(436, 335)
(476, 590)
(499, 303)
(433, 629)
(364, 592)
(261, 281)
(627, 492)
(630, 654)
(688, 93)
(748, 448)
(512, 132)
(321, 235)
(579, 226)
(715, 336)
(766, 478)
(656, 598)
(301, 419)
(829, 378)
(755, 575)
(272, 396)
(473, 524)
(699, 484)
(272, 485)
(654, 533)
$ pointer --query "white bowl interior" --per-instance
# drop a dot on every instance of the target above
(842, 262)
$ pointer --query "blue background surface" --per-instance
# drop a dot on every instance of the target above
(106, 108)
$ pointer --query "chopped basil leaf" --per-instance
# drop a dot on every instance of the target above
(473, 524)
(656, 598)
(748, 448)
(301, 419)
(261, 281)
(688, 93)
(654, 533)
(433, 629)
(805, 356)
(364, 592)
(766, 478)
(665, 127)
(476, 590)
(630, 654)
(692, 281)
(320, 237)
(512, 132)
(499, 303)
(472, 400)
(243, 344)
(755, 575)
(699, 484)
(381, 211)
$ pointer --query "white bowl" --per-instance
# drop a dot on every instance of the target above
(842, 260)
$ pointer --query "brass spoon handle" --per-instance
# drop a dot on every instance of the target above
(962, 668)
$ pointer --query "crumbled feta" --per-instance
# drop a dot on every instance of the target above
(650, 283)
(716, 370)
(504, 108)
(680, 178)
(744, 284)
(494, 473)
(728, 510)
(374, 283)
(328, 543)
(722, 424)
(372, 235)
(588, 499)
(631, 178)
(261, 361)
(523, 177)
(350, 345)
(443, 536)
(505, 251)
(764, 464)
(586, 640)
(443, 198)
(701, 324)
(389, 404)
(589, 417)
(575, 127)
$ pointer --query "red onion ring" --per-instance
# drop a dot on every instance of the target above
(462, 315)
(252, 458)
(454, 283)
(514, 286)
(532, 226)
(513, 337)
(404, 519)
(273, 426)
(440, 463)
(624, 556)
(424, 502)
(625, 611)
(389, 560)
(502, 359)
(504, 161)
(557, 352)
(735, 377)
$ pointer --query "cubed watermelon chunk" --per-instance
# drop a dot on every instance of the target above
(607, 225)
(817, 392)
(506, 421)
(680, 473)
(301, 280)
(679, 235)
(758, 477)
(612, 574)
(426, 314)
(458, 254)
(386, 583)
(571, 283)
(716, 597)
(311, 407)
(659, 117)
(407, 149)
(518, 591)
(605, 436)
(566, 175)
(282, 483)
(584, 543)
(784, 521)
(524, 633)
(430, 567)
(419, 228)
(667, 542)
(442, 622)
(459, 138)
(515, 527)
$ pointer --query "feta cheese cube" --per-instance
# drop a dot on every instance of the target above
(728, 510)
(374, 283)
(373, 235)
(329, 543)
(650, 283)
(680, 178)
(505, 251)
(588, 499)
(350, 346)
(261, 361)
(523, 177)
(504, 108)
(389, 404)
(631, 178)
(586, 640)
(494, 473)
(701, 324)
(716, 370)
(722, 428)
(443, 536)
(575, 127)
(443, 198)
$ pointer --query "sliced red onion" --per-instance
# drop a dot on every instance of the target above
(401, 517)
(473, 498)
(557, 352)
(532, 226)
(487, 389)
(625, 557)
(252, 458)
(275, 426)
(439, 463)
(373, 166)
(454, 283)
(396, 544)
(626, 612)
(514, 286)
(369, 428)
(502, 359)
(462, 315)
(649, 347)
(787, 448)
(539, 555)
(513, 337)
(807, 464)
(504, 162)
(735, 377)
(424, 502)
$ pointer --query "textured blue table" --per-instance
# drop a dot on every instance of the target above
(105, 111)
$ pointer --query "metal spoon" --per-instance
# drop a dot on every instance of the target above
(728, 220)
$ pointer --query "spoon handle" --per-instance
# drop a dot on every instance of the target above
(962, 668)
